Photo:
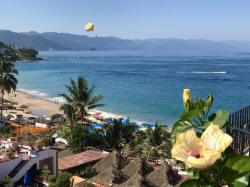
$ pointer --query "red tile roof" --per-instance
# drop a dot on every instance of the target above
(79, 159)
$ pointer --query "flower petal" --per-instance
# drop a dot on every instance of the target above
(215, 139)
(208, 159)
(186, 95)
(187, 144)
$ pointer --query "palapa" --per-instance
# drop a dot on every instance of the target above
(113, 160)
(139, 165)
(136, 180)
(165, 176)
(108, 176)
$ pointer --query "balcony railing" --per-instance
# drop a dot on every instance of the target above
(241, 131)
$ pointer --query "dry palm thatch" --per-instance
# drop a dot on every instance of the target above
(136, 180)
(108, 176)
(113, 160)
(165, 176)
(138, 166)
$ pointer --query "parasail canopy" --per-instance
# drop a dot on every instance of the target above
(89, 27)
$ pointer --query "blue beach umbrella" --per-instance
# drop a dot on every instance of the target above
(110, 121)
(152, 125)
(26, 179)
(96, 125)
(138, 128)
(124, 121)
(144, 124)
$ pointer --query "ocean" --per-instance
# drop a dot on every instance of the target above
(143, 85)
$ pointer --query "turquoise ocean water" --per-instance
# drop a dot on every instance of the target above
(144, 85)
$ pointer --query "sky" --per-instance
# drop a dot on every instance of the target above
(131, 19)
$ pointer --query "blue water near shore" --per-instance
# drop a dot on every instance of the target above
(144, 85)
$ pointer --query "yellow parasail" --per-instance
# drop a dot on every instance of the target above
(89, 27)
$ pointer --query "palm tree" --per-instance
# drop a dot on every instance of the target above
(70, 112)
(119, 135)
(152, 143)
(81, 97)
(8, 80)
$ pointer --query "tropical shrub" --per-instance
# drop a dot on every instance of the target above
(88, 173)
(62, 180)
(52, 178)
(6, 180)
(80, 138)
(200, 143)
(9, 154)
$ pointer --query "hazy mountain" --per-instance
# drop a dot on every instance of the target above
(65, 41)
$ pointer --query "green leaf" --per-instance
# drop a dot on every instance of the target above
(235, 166)
(190, 114)
(219, 118)
(194, 183)
(180, 126)
(193, 173)
(202, 106)
(210, 100)
(240, 183)
(188, 105)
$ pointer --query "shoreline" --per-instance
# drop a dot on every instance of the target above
(34, 104)
(34, 60)
(46, 104)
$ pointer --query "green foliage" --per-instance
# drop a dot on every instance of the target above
(231, 169)
(62, 180)
(52, 178)
(194, 183)
(8, 80)
(80, 97)
(119, 135)
(88, 173)
(197, 116)
(6, 131)
(12, 54)
(64, 132)
(9, 154)
(44, 174)
(154, 143)
(80, 138)
(70, 111)
(6, 180)
(27, 54)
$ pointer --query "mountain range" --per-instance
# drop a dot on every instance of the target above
(66, 41)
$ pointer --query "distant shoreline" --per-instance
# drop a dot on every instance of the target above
(34, 60)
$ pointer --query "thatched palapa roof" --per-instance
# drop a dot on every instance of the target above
(108, 176)
(114, 160)
(165, 176)
(136, 180)
(138, 166)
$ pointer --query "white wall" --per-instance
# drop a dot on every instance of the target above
(8, 166)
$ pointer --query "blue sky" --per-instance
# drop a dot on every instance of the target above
(197, 19)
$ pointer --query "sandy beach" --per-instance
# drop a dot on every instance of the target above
(35, 105)
(40, 106)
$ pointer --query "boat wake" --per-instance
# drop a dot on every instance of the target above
(206, 72)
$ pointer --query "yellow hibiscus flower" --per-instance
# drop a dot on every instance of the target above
(201, 152)
(186, 95)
